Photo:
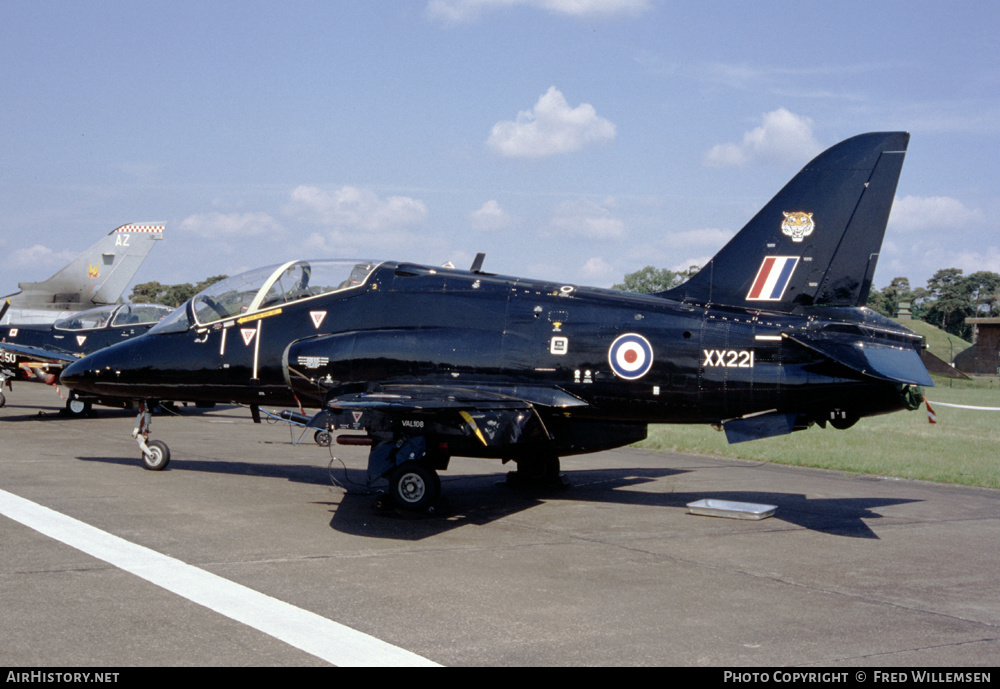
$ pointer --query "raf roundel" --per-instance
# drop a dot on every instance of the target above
(630, 356)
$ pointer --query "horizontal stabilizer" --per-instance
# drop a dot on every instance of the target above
(894, 363)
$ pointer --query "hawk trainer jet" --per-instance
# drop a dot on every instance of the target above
(770, 337)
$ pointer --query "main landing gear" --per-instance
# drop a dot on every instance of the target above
(155, 453)
(537, 471)
(415, 486)
(410, 466)
(76, 407)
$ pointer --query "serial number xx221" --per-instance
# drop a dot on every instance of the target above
(729, 358)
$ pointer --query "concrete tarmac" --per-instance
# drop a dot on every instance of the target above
(852, 571)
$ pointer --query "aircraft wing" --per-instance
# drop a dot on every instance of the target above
(491, 419)
(37, 354)
(403, 399)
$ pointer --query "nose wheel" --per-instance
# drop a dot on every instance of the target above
(155, 453)
(156, 456)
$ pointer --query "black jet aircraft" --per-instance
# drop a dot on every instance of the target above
(770, 337)
(43, 350)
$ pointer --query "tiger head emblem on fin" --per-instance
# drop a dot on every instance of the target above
(798, 225)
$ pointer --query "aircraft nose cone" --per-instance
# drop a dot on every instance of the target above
(73, 375)
(81, 375)
(98, 372)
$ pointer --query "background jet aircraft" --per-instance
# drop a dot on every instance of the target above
(44, 350)
(97, 277)
(769, 338)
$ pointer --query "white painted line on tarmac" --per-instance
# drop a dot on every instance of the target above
(312, 633)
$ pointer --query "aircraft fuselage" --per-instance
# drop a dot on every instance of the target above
(626, 358)
(45, 345)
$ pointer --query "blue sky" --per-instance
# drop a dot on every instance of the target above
(576, 140)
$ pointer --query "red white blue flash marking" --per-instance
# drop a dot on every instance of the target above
(773, 276)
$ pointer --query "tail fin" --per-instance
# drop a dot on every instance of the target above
(97, 276)
(817, 241)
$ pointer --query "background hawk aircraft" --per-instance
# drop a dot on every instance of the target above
(768, 338)
(45, 349)
(97, 277)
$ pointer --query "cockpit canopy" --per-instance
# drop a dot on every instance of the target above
(265, 288)
(115, 316)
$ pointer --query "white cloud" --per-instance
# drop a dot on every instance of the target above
(551, 128)
(354, 208)
(230, 225)
(354, 221)
(581, 8)
(678, 251)
(913, 213)
(783, 138)
(597, 270)
(711, 238)
(585, 219)
(459, 11)
(987, 258)
(692, 264)
(39, 256)
(926, 234)
(489, 217)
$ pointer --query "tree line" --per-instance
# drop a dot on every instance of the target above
(169, 295)
(947, 301)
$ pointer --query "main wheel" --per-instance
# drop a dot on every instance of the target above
(414, 486)
(158, 457)
(76, 407)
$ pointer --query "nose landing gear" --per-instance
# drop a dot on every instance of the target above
(155, 453)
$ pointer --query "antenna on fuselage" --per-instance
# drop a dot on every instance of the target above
(477, 264)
